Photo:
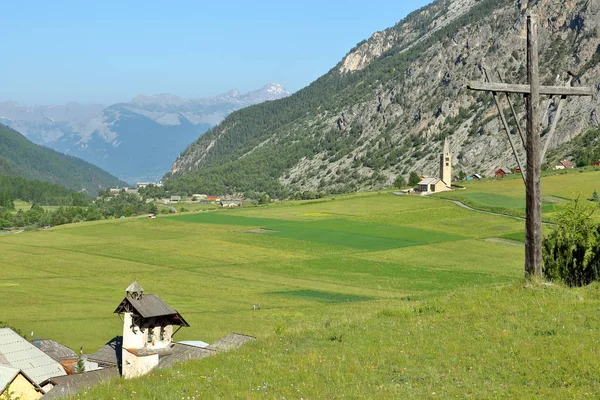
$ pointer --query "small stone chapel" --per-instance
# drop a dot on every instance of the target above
(444, 182)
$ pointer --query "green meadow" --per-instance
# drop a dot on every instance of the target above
(507, 195)
(298, 260)
(367, 295)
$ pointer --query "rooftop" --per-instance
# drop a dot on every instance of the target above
(67, 386)
(230, 342)
(150, 305)
(17, 352)
(109, 354)
(429, 181)
(57, 351)
(8, 374)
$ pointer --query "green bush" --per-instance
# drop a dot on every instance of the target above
(413, 179)
(400, 182)
(571, 253)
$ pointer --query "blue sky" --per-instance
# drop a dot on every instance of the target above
(112, 50)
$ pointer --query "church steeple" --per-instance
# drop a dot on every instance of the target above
(446, 164)
(135, 291)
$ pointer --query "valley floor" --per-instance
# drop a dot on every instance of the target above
(368, 295)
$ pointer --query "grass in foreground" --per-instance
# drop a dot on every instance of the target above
(508, 342)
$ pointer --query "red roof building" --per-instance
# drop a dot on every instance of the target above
(501, 172)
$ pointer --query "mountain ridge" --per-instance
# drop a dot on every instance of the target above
(96, 133)
(359, 128)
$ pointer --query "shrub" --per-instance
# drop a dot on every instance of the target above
(400, 182)
(571, 253)
(413, 179)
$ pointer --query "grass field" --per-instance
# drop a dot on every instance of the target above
(65, 282)
(368, 295)
(25, 206)
(508, 195)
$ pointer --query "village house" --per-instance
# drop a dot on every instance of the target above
(564, 164)
(142, 185)
(131, 191)
(62, 354)
(214, 199)
(16, 384)
(502, 172)
(597, 163)
(230, 203)
(17, 352)
(175, 199)
(444, 182)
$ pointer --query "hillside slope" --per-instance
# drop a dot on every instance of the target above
(383, 110)
(20, 157)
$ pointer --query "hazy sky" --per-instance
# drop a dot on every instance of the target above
(112, 50)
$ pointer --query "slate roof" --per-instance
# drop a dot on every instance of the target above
(71, 384)
(8, 374)
(17, 352)
(429, 181)
(182, 352)
(150, 305)
(110, 354)
(57, 351)
(230, 342)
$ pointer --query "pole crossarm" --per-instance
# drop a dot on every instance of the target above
(526, 89)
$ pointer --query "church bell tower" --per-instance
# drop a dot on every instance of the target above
(446, 165)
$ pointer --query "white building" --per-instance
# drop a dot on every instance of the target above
(147, 330)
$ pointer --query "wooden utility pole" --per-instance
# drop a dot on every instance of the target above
(533, 188)
(533, 184)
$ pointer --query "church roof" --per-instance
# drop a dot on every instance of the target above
(429, 181)
(149, 306)
(134, 287)
(446, 146)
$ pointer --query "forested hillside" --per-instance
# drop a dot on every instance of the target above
(20, 157)
(41, 193)
(385, 108)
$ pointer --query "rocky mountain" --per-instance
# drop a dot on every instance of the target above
(137, 140)
(385, 109)
(20, 157)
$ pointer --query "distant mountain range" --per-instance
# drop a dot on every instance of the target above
(135, 141)
(20, 157)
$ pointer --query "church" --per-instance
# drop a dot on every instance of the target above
(444, 182)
